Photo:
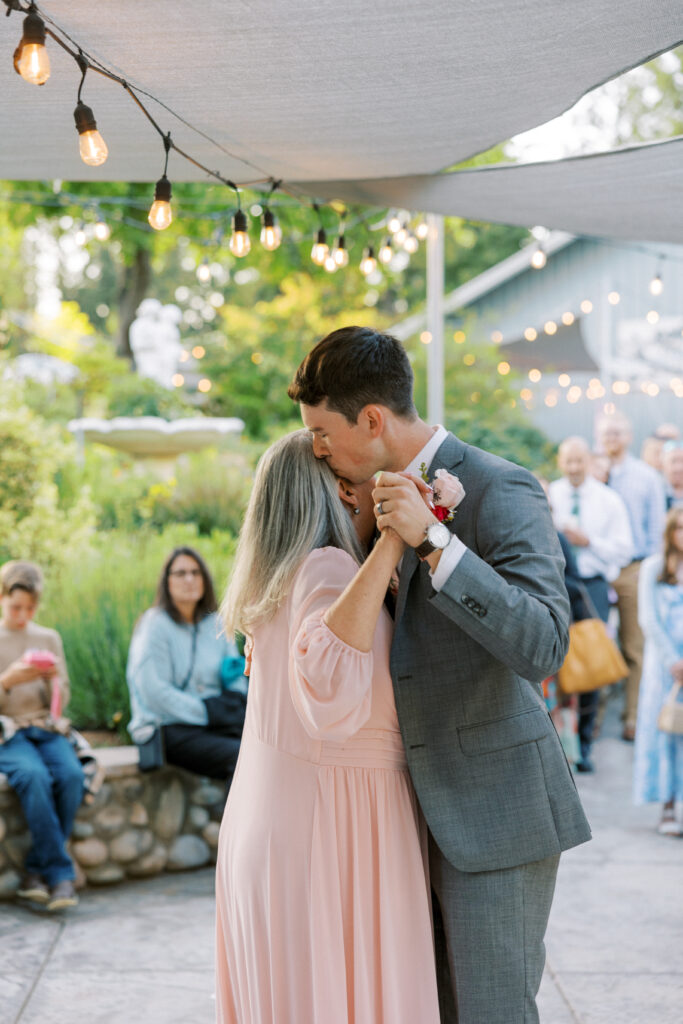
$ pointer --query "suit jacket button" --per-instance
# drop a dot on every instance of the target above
(481, 613)
(465, 599)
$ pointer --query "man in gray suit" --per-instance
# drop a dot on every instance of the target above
(481, 619)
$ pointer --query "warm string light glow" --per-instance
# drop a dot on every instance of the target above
(240, 243)
(31, 59)
(271, 232)
(368, 264)
(538, 259)
(321, 249)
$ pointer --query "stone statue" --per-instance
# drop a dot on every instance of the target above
(155, 341)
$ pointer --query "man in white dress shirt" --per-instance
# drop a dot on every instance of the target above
(595, 521)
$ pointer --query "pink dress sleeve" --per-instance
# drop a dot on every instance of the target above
(330, 682)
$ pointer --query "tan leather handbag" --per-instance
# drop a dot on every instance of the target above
(671, 716)
(593, 659)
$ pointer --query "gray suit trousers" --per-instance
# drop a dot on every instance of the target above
(489, 928)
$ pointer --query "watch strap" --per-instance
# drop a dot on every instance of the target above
(424, 549)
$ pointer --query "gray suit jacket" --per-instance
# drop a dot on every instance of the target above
(467, 665)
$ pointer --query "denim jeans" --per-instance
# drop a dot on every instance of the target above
(43, 769)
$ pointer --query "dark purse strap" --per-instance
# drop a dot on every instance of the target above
(195, 630)
(588, 601)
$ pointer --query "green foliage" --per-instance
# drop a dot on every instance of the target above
(34, 523)
(482, 408)
(95, 603)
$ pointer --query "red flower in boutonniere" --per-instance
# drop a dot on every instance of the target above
(447, 493)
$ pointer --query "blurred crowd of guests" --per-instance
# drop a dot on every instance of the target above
(620, 522)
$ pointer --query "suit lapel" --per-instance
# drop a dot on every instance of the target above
(449, 454)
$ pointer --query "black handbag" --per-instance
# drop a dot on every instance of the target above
(151, 752)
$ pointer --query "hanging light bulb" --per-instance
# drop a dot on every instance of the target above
(271, 232)
(101, 230)
(539, 259)
(386, 253)
(320, 249)
(240, 243)
(204, 272)
(368, 264)
(394, 223)
(31, 59)
(340, 252)
(411, 244)
(422, 230)
(92, 147)
(81, 237)
(656, 284)
(401, 235)
(330, 263)
(160, 213)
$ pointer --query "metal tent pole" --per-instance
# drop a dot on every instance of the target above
(435, 325)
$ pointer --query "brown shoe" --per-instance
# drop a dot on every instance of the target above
(62, 895)
(33, 888)
(629, 733)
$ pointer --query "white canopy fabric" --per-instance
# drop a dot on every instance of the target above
(316, 89)
(632, 193)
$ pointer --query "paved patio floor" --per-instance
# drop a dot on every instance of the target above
(142, 953)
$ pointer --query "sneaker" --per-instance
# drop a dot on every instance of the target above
(62, 895)
(669, 827)
(585, 765)
(33, 888)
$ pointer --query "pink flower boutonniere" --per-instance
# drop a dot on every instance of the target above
(447, 493)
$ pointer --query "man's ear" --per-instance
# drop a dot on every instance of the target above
(373, 418)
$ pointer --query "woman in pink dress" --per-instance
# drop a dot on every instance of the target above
(322, 889)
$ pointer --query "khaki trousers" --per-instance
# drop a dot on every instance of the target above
(630, 636)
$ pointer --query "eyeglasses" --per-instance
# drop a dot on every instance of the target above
(192, 573)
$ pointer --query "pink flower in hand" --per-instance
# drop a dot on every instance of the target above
(448, 491)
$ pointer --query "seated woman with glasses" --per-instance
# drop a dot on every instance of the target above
(185, 678)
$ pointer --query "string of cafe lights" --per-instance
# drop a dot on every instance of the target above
(596, 389)
(32, 63)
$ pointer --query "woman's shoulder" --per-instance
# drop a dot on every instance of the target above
(327, 565)
(155, 622)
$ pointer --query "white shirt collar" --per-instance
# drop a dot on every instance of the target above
(426, 455)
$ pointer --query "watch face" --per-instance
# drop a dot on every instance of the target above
(438, 535)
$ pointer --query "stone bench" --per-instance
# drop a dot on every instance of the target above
(138, 825)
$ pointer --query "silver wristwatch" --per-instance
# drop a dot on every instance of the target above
(437, 537)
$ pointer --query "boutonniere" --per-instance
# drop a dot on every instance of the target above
(447, 493)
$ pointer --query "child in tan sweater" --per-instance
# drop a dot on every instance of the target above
(37, 759)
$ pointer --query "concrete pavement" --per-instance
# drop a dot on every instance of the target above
(142, 953)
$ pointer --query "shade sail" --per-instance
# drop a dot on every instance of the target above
(632, 193)
(317, 89)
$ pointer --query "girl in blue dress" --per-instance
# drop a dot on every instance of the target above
(658, 758)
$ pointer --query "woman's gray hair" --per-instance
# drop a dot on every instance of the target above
(294, 508)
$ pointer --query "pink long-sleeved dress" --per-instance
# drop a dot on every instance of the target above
(323, 899)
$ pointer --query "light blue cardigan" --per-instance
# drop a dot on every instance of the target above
(159, 660)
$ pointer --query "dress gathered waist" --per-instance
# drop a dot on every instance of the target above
(369, 748)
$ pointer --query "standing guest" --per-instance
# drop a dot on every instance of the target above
(599, 467)
(651, 452)
(594, 520)
(39, 762)
(652, 447)
(182, 674)
(658, 761)
(642, 490)
(672, 469)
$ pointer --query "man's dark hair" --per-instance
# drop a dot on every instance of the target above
(354, 367)
(207, 602)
